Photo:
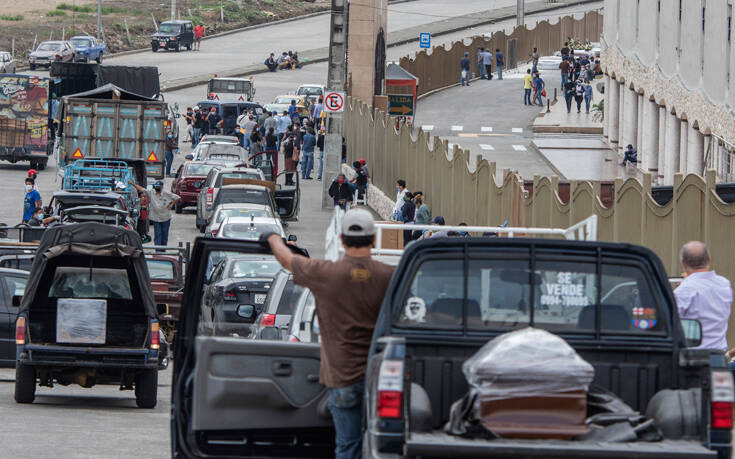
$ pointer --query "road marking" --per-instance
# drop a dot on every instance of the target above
(428, 127)
(486, 129)
(458, 128)
(518, 130)
(494, 135)
(519, 148)
(485, 146)
(467, 135)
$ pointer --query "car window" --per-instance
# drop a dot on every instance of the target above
(627, 301)
(226, 213)
(238, 175)
(568, 293)
(160, 269)
(169, 28)
(235, 196)
(254, 268)
(16, 286)
(230, 86)
(248, 231)
(310, 91)
(49, 47)
(289, 298)
(81, 42)
(498, 294)
(198, 169)
(435, 297)
(283, 100)
(73, 282)
(229, 111)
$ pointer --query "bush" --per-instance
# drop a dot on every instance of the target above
(56, 13)
(17, 17)
(75, 8)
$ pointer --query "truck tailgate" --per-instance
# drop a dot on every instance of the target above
(440, 444)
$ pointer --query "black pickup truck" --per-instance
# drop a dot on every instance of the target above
(235, 397)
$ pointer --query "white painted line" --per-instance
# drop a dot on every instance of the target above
(428, 127)
(485, 146)
(458, 128)
(486, 129)
(519, 148)
(519, 130)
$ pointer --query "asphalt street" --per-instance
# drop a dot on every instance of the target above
(104, 422)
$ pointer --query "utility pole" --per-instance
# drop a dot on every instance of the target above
(173, 10)
(335, 82)
(520, 11)
(99, 19)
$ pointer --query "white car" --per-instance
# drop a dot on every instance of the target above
(238, 209)
(249, 228)
(312, 91)
(549, 63)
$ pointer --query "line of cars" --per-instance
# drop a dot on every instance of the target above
(83, 48)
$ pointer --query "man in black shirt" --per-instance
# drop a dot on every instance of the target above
(214, 120)
(201, 126)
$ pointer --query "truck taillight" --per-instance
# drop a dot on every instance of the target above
(269, 320)
(390, 389)
(20, 330)
(723, 396)
(210, 196)
(155, 342)
(230, 294)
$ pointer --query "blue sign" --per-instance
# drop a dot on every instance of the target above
(425, 40)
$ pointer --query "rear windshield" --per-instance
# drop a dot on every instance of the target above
(239, 175)
(230, 86)
(500, 296)
(73, 282)
(198, 169)
(246, 196)
(226, 213)
(310, 91)
(289, 298)
(247, 231)
(254, 268)
(160, 269)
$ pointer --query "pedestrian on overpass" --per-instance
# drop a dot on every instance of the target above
(341, 192)
(499, 63)
(408, 216)
(703, 295)
(160, 210)
(464, 65)
(172, 147)
(400, 193)
(527, 80)
(348, 294)
(480, 63)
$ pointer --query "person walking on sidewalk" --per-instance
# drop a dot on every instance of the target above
(199, 33)
(487, 61)
(587, 95)
(480, 63)
(540, 88)
(569, 90)
(172, 147)
(527, 80)
(160, 209)
(534, 57)
(579, 95)
(499, 63)
(308, 144)
(564, 67)
(464, 65)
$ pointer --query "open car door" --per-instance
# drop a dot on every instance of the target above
(238, 397)
(288, 196)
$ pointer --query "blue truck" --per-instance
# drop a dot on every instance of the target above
(87, 49)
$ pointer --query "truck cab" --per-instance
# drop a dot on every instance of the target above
(231, 89)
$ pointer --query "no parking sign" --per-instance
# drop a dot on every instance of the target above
(334, 102)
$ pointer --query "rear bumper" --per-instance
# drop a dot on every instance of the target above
(188, 197)
(441, 444)
(87, 357)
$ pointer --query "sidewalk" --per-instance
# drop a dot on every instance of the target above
(558, 120)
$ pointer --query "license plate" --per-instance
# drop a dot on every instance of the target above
(162, 43)
(260, 298)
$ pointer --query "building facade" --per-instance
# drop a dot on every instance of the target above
(368, 26)
(670, 84)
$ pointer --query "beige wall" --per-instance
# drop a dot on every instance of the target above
(367, 17)
(458, 194)
(440, 67)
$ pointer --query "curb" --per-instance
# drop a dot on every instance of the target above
(548, 162)
(256, 69)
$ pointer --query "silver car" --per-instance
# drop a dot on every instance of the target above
(51, 51)
(7, 63)
(238, 209)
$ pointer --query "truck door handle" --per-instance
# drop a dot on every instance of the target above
(312, 378)
(282, 369)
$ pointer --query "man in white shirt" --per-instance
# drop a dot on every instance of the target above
(400, 193)
(703, 295)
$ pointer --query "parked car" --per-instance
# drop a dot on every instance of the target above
(188, 182)
(281, 104)
(7, 62)
(87, 48)
(250, 228)
(236, 293)
(51, 51)
(549, 63)
(167, 282)
(173, 35)
(279, 306)
(225, 152)
(214, 138)
(311, 91)
(212, 185)
(304, 321)
(84, 317)
(12, 283)
(224, 211)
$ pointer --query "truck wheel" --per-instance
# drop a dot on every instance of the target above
(41, 165)
(179, 208)
(25, 383)
(146, 389)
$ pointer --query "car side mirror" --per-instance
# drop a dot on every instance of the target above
(189, 156)
(17, 299)
(271, 333)
(692, 332)
(246, 311)
(292, 238)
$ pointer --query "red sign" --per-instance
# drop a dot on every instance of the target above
(152, 157)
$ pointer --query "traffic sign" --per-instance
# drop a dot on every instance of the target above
(77, 154)
(425, 40)
(334, 102)
(400, 104)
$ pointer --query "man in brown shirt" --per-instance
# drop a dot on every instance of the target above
(348, 296)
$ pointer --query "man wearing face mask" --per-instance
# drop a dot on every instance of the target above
(39, 220)
(31, 201)
(160, 210)
(341, 192)
(171, 147)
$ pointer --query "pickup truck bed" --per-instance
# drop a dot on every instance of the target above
(441, 444)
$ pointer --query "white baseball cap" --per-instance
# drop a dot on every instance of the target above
(358, 222)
